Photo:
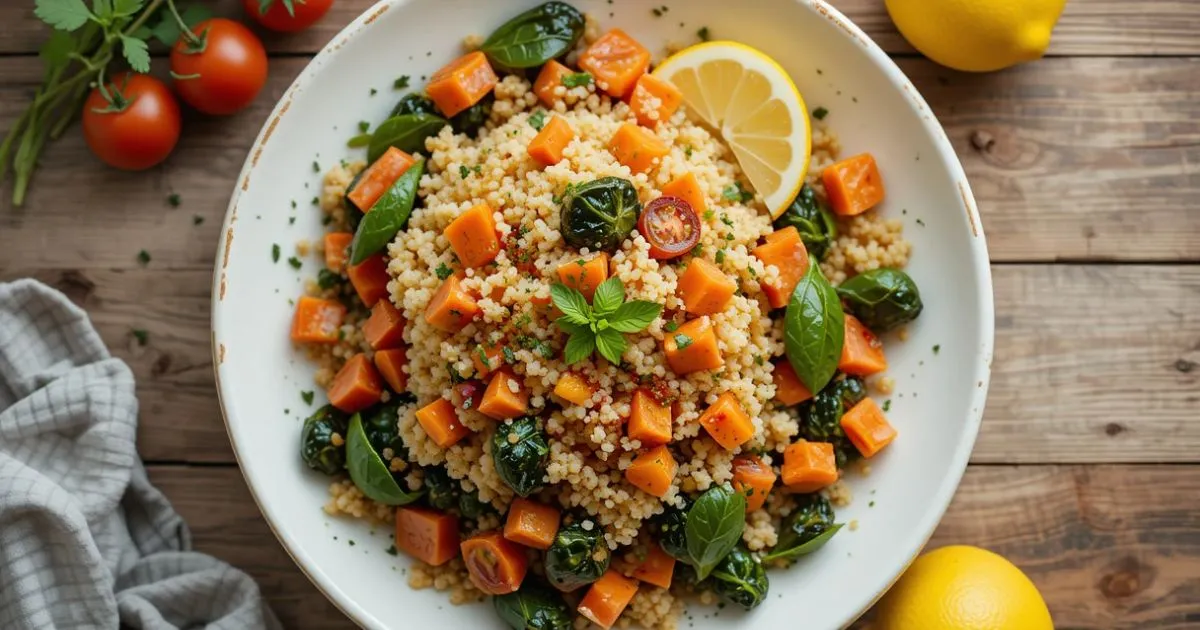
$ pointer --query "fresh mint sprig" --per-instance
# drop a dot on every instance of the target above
(602, 325)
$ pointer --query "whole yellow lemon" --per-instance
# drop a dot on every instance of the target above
(962, 588)
(977, 35)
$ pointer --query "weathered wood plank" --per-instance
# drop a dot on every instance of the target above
(1093, 363)
(1090, 159)
(1087, 27)
(1112, 547)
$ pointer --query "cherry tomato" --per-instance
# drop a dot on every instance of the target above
(278, 17)
(671, 227)
(222, 72)
(136, 126)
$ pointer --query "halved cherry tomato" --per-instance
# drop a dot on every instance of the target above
(221, 69)
(671, 227)
(287, 16)
(135, 126)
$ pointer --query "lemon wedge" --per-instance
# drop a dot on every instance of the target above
(752, 103)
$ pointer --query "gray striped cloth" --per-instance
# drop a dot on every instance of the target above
(85, 540)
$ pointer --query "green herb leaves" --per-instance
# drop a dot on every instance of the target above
(64, 15)
(602, 325)
(388, 216)
(406, 132)
(576, 79)
(369, 472)
(537, 119)
(814, 329)
(714, 527)
(535, 36)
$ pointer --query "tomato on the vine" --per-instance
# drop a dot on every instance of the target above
(287, 16)
(671, 227)
(220, 68)
(132, 122)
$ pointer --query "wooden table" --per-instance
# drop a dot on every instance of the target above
(1086, 166)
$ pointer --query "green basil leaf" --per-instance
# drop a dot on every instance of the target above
(407, 133)
(535, 36)
(611, 344)
(634, 316)
(572, 304)
(714, 527)
(367, 470)
(580, 346)
(791, 553)
(609, 295)
(814, 329)
(882, 298)
(388, 216)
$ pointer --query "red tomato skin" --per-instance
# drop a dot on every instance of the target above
(675, 208)
(307, 12)
(232, 68)
(142, 135)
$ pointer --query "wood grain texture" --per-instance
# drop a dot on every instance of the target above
(1093, 363)
(1087, 27)
(1079, 159)
(1110, 547)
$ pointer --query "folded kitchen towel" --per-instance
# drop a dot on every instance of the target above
(85, 540)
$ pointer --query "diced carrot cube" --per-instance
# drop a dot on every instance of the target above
(809, 466)
(616, 61)
(452, 307)
(653, 471)
(379, 177)
(786, 251)
(654, 100)
(337, 246)
(505, 397)
(789, 389)
(473, 236)
(547, 146)
(495, 565)
(461, 83)
(356, 386)
(688, 189)
(853, 185)
(385, 327)
(440, 422)
(427, 535)
(390, 364)
(573, 388)
(649, 422)
(693, 347)
(754, 478)
(547, 80)
(657, 568)
(727, 422)
(637, 147)
(607, 598)
(370, 279)
(531, 523)
(585, 275)
(317, 320)
(867, 427)
(486, 357)
(704, 288)
(862, 351)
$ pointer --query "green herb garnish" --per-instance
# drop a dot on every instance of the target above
(295, 262)
(820, 113)
(142, 336)
(576, 79)
(275, 252)
(443, 271)
(401, 83)
(537, 119)
(682, 341)
(307, 397)
(600, 326)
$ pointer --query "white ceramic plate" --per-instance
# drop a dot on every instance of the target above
(939, 397)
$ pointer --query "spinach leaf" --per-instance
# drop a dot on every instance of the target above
(804, 548)
(814, 329)
(882, 298)
(368, 471)
(805, 530)
(533, 607)
(741, 579)
(814, 222)
(406, 132)
(520, 454)
(317, 447)
(599, 214)
(714, 527)
(578, 556)
(387, 216)
(535, 36)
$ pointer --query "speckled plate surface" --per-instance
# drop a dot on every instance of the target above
(939, 397)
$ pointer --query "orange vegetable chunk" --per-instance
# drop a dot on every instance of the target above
(693, 347)
(704, 288)
(653, 471)
(754, 478)
(548, 79)
(452, 307)
(867, 427)
(789, 389)
(486, 357)
(727, 422)
(607, 598)
(337, 250)
(654, 100)
(586, 276)
(461, 83)
(531, 523)
(853, 185)
(862, 351)
(356, 386)
(786, 251)
(547, 146)
(385, 327)
(496, 566)
(573, 388)
(370, 279)
(500, 401)
(317, 320)
(688, 189)
(473, 236)
(649, 422)
(636, 147)
(390, 364)
(440, 422)
(427, 535)
(809, 466)
(615, 61)
(657, 568)
(379, 177)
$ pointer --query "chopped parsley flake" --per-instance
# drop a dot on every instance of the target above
(920, 222)
(726, 220)
(143, 257)
(937, 348)
(173, 200)
(401, 83)
(142, 336)
(576, 79)
(374, 91)
(537, 120)
(682, 341)
(327, 279)
(464, 172)
(887, 405)
(295, 262)
(363, 126)
(720, 257)
(197, 219)
(443, 271)
(316, 167)
(703, 34)
(307, 397)
(671, 326)
(820, 113)
(735, 192)
(509, 357)
(275, 252)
